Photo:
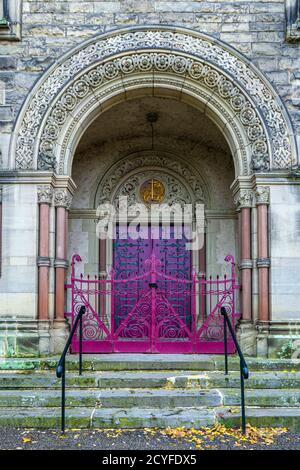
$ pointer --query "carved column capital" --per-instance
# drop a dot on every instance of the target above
(244, 199)
(262, 195)
(45, 194)
(62, 198)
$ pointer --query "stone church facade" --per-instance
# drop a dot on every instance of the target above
(78, 82)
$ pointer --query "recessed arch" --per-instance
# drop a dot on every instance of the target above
(167, 162)
(196, 67)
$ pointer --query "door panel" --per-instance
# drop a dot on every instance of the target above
(135, 316)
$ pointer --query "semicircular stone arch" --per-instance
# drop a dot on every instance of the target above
(231, 90)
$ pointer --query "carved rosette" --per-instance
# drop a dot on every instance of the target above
(45, 194)
(62, 198)
(262, 195)
(244, 199)
(92, 65)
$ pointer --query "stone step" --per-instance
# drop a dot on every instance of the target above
(106, 398)
(262, 417)
(149, 398)
(148, 379)
(123, 362)
(148, 417)
(262, 397)
(256, 380)
(129, 418)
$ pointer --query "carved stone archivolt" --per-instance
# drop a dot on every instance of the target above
(182, 182)
(198, 58)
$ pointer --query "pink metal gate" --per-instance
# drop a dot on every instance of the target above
(154, 320)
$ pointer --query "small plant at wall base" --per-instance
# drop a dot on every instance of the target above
(287, 350)
(3, 22)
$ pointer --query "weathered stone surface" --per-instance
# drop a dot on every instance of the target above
(266, 417)
(46, 20)
(49, 29)
(30, 397)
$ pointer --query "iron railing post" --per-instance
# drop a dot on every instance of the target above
(61, 366)
(244, 371)
(80, 345)
(243, 399)
(225, 345)
(63, 395)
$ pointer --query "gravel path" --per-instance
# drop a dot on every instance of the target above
(14, 438)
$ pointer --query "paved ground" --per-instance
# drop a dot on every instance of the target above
(147, 439)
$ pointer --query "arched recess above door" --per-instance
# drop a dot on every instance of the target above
(137, 167)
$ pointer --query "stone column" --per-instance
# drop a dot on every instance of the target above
(45, 193)
(62, 202)
(102, 275)
(246, 328)
(245, 265)
(263, 261)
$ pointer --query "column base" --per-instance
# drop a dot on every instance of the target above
(24, 338)
(59, 334)
(246, 335)
(32, 338)
(280, 339)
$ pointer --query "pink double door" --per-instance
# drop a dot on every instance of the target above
(147, 317)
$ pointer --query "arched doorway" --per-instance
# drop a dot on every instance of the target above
(167, 63)
(171, 163)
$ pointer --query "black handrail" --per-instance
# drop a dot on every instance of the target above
(61, 366)
(244, 371)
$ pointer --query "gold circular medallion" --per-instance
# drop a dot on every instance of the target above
(152, 191)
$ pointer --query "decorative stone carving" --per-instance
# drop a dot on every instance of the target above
(244, 198)
(262, 195)
(176, 192)
(46, 162)
(165, 82)
(246, 90)
(207, 76)
(45, 194)
(62, 198)
(159, 166)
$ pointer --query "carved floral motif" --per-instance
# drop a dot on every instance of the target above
(244, 198)
(262, 195)
(62, 198)
(45, 194)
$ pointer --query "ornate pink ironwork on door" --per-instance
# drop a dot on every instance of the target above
(151, 322)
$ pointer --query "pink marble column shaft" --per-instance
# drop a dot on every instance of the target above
(60, 268)
(263, 270)
(245, 246)
(102, 275)
(43, 289)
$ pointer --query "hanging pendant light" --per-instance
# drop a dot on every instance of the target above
(152, 117)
